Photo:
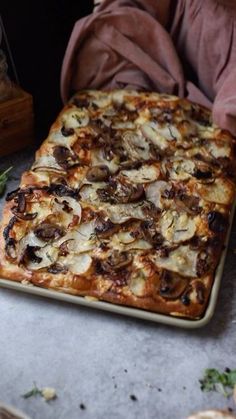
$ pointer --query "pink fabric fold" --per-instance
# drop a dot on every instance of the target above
(172, 46)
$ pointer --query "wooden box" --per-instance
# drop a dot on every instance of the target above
(16, 122)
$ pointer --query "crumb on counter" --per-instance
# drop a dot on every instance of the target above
(48, 393)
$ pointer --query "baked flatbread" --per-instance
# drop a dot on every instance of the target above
(128, 201)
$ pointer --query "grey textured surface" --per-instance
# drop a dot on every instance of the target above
(100, 359)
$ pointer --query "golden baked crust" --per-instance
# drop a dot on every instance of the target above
(128, 201)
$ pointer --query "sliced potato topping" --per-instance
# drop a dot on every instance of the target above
(145, 174)
(177, 227)
(182, 260)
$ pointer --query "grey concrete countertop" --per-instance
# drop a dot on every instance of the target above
(101, 359)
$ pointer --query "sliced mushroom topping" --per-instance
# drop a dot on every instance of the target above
(49, 232)
(63, 156)
(116, 261)
(188, 203)
(57, 268)
(120, 193)
(98, 173)
(217, 222)
(172, 285)
(60, 189)
(67, 132)
(105, 228)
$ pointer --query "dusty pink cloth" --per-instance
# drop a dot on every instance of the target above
(182, 47)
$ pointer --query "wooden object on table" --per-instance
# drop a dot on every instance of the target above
(16, 122)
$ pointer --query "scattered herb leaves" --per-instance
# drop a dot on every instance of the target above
(3, 180)
(222, 382)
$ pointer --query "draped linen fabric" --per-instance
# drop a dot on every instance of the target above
(182, 47)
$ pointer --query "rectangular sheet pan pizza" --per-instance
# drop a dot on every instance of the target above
(128, 201)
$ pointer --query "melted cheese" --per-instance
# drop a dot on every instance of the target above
(75, 118)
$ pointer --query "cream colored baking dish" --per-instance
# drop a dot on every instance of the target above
(129, 311)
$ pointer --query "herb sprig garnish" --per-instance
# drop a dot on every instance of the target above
(48, 393)
(3, 180)
(222, 382)
(35, 391)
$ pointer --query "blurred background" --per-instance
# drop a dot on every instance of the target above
(38, 33)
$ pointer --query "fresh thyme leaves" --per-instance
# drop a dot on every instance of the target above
(3, 180)
(222, 382)
(48, 393)
(34, 392)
